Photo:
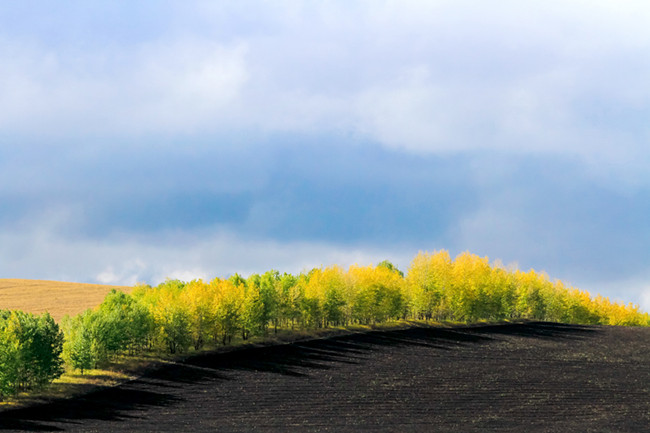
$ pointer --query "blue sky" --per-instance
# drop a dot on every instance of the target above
(145, 140)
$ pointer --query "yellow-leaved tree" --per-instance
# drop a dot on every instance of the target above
(377, 294)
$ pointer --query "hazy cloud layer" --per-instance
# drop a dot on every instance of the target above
(201, 138)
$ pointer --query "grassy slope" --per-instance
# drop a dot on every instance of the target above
(57, 298)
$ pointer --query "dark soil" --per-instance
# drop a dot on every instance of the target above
(534, 377)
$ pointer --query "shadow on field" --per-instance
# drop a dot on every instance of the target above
(537, 330)
(168, 384)
(110, 404)
(295, 359)
(158, 388)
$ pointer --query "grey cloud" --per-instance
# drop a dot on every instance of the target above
(542, 212)
(349, 192)
(549, 214)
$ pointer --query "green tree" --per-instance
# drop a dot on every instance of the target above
(253, 319)
(125, 323)
(30, 351)
(78, 346)
(9, 356)
(270, 297)
(391, 267)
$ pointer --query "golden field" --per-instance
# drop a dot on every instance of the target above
(57, 298)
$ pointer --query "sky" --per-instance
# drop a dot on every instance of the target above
(148, 140)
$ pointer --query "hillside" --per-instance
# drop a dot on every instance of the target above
(58, 298)
(535, 377)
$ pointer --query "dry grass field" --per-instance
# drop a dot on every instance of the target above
(57, 298)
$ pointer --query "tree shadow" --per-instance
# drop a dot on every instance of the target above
(536, 329)
(296, 359)
(108, 405)
(162, 386)
(120, 403)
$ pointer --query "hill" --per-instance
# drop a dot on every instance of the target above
(534, 377)
(57, 298)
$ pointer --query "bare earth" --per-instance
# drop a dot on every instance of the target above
(57, 298)
(535, 377)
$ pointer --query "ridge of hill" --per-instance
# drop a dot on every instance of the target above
(56, 297)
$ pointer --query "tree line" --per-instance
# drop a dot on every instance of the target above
(175, 316)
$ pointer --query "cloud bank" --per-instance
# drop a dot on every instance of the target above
(139, 141)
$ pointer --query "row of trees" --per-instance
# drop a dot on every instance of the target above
(30, 351)
(176, 316)
(469, 289)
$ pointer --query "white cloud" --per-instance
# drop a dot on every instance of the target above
(633, 289)
(179, 86)
(188, 274)
(427, 77)
(644, 300)
(458, 77)
(108, 276)
(127, 274)
(412, 113)
(186, 86)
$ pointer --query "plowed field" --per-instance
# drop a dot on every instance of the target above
(535, 377)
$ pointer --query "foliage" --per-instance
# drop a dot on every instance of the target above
(120, 324)
(30, 351)
(176, 316)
